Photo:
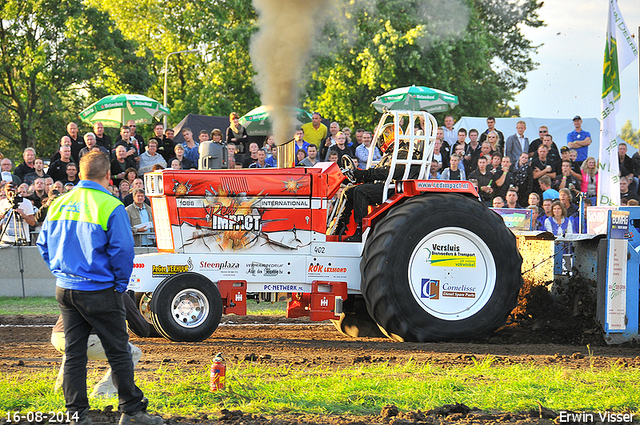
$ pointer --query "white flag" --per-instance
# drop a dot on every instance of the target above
(620, 50)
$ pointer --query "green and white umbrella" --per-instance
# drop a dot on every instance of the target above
(116, 110)
(415, 98)
(257, 120)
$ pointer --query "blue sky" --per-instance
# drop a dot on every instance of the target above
(568, 80)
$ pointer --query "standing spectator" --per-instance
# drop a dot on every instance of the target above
(28, 165)
(534, 199)
(231, 155)
(347, 133)
(533, 146)
(312, 158)
(453, 172)
(301, 154)
(190, 147)
(589, 183)
(440, 155)
(120, 165)
(134, 139)
(141, 218)
(330, 140)
(486, 152)
(444, 145)
(546, 208)
(503, 178)
(450, 135)
(625, 193)
(565, 155)
(625, 164)
(496, 162)
(579, 140)
(363, 150)
(492, 138)
(547, 191)
(314, 131)
(541, 166)
(523, 178)
(472, 152)
(300, 143)
(565, 197)
(235, 133)
(65, 140)
(359, 133)
(341, 146)
(72, 174)
(484, 178)
(7, 176)
(567, 180)
(491, 127)
(203, 136)
(58, 169)
(165, 150)
(129, 142)
(535, 216)
(11, 233)
(102, 139)
(216, 135)
(90, 288)
(124, 189)
(185, 163)
(38, 166)
(77, 142)
(150, 158)
(517, 143)
(553, 154)
(90, 141)
(497, 202)
(462, 140)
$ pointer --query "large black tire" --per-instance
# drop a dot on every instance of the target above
(356, 322)
(186, 307)
(465, 291)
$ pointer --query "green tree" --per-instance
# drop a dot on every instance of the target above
(55, 56)
(213, 82)
(473, 49)
(630, 135)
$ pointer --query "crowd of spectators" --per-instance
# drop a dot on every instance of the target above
(509, 172)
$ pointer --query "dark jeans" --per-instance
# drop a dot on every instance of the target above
(359, 198)
(103, 311)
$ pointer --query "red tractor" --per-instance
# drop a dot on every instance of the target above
(434, 262)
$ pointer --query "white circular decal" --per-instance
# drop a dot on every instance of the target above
(452, 273)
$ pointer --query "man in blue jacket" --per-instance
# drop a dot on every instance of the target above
(87, 243)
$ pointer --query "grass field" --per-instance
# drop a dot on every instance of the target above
(355, 390)
(44, 305)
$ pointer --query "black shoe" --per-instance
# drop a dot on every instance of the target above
(357, 236)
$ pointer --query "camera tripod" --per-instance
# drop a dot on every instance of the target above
(13, 220)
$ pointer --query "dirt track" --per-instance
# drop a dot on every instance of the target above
(277, 341)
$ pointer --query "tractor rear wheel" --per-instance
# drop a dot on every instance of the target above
(440, 267)
(186, 307)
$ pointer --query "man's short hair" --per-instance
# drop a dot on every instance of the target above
(136, 191)
(462, 130)
(566, 191)
(496, 154)
(184, 130)
(71, 164)
(216, 132)
(204, 132)
(151, 142)
(619, 144)
(521, 122)
(482, 157)
(473, 130)
(491, 118)
(94, 166)
(178, 146)
(312, 146)
(125, 127)
(34, 151)
(318, 114)
(157, 124)
(546, 180)
(548, 135)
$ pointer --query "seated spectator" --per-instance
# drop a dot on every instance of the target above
(512, 199)
(39, 194)
(483, 179)
(363, 150)
(175, 164)
(137, 184)
(559, 224)
(440, 154)
(498, 202)
(41, 214)
(341, 147)
(299, 142)
(91, 144)
(301, 154)
(625, 193)
(157, 167)
(535, 215)
(130, 175)
(216, 135)
(534, 199)
(565, 198)
(453, 172)
(185, 163)
(38, 173)
(129, 142)
(252, 156)
(503, 178)
(141, 218)
(312, 158)
(333, 156)
(121, 164)
(433, 170)
(567, 180)
(232, 150)
(260, 161)
(28, 165)
(150, 158)
(496, 162)
(7, 175)
(124, 189)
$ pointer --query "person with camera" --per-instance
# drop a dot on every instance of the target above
(16, 215)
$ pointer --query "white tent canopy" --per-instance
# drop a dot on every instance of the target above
(558, 128)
